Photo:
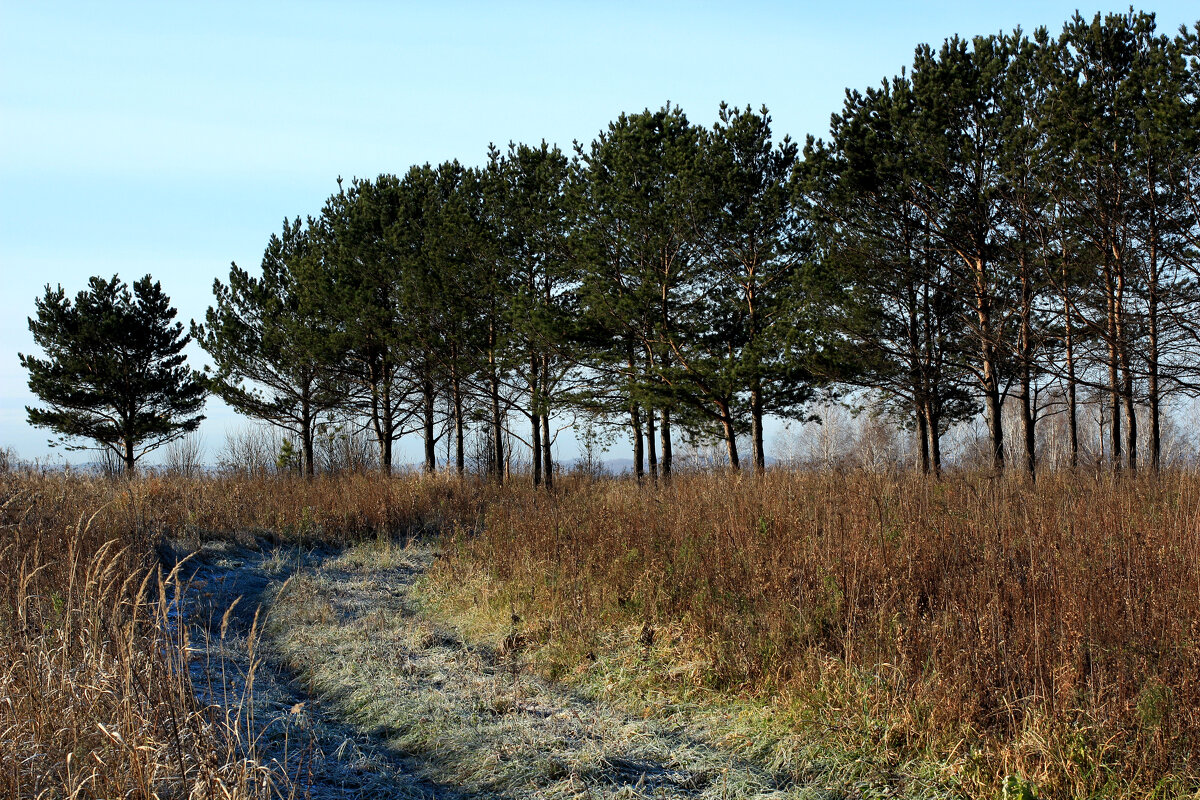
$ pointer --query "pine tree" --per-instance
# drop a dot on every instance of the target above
(891, 299)
(263, 333)
(752, 246)
(114, 369)
(357, 287)
(534, 222)
(637, 205)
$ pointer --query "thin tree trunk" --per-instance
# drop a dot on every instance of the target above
(635, 424)
(923, 436)
(494, 395)
(547, 455)
(991, 377)
(385, 439)
(429, 398)
(535, 418)
(1131, 443)
(1114, 428)
(1155, 408)
(1072, 387)
(935, 438)
(306, 434)
(497, 426)
(1028, 423)
(664, 433)
(1122, 352)
(756, 428)
(1026, 349)
(460, 463)
(651, 445)
(1152, 365)
(730, 435)
(1114, 381)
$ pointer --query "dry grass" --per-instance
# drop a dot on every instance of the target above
(472, 716)
(988, 627)
(1047, 632)
(95, 694)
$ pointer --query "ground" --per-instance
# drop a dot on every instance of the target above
(360, 691)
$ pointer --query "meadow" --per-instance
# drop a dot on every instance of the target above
(1007, 638)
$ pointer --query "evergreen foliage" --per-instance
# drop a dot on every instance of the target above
(114, 369)
(270, 353)
(1010, 223)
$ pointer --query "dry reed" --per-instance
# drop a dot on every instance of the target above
(1044, 630)
(95, 694)
(1051, 631)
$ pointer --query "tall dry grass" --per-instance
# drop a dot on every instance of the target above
(1052, 631)
(95, 694)
(1048, 631)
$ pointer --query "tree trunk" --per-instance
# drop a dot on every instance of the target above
(1122, 350)
(535, 418)
(381, 416)
(1131, 443)
(306, 434)
(935, 438)
(730, 435)
(385, 455)
(756, 428)
(923, 436)
(651, 445)
(1155, 414)
(635, 424)
(547, 455)
(460, 463)
(664, 432)
(1152, 365)
(494, 396)
(497, 426)
(1114, 385)
(1026, 349)
(428, 400)
(991, 377)
(1072, 388)
(384, 431)
(995, 424)
(130, 461)
(1028, 422)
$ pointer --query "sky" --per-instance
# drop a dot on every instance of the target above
(173, 138)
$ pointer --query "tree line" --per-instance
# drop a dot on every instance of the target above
(653, 276)
(1012, 219)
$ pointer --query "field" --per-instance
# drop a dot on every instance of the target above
(833, 634)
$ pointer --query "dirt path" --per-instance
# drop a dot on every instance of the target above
(360, 695)
(229, 589)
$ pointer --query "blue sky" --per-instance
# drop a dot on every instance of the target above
(173, 138)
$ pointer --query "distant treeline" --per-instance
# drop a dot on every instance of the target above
(1013, 218)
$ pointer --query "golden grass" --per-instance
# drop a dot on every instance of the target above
(1048, 632)
(95, 695)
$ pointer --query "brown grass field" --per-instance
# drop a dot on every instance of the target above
(1018, 635)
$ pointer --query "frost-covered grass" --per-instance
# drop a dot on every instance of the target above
(467, 701)
(979, 632)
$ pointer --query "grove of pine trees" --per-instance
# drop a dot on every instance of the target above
(1012, 222)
